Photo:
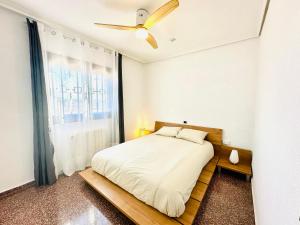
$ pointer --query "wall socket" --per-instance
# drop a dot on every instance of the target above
(227, 142)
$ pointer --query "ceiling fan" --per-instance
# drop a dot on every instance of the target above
(145, 22)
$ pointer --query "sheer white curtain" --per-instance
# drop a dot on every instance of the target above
(82, 91)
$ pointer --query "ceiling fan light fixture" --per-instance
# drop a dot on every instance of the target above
(145, 22)
(141, 33)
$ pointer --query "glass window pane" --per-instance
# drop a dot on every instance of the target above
(76, 93)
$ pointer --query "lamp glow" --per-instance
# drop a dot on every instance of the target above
(141, 33)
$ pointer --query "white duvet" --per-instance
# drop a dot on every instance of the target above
(160, 171)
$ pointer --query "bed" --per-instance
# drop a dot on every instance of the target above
(164, 178)
(158, 170)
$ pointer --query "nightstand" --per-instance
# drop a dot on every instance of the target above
(244, 165)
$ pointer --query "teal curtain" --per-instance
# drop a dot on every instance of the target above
(120, 99)
(44, 171)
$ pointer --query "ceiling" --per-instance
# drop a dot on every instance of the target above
(196, 24)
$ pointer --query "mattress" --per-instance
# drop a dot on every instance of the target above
(160, 171)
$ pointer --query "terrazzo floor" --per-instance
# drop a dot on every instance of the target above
(72, 202)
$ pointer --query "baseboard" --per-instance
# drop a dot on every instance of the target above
(16, 189)
(254, 200)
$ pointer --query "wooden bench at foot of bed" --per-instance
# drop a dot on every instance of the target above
(143, 214)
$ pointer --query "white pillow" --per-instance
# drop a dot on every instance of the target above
(196, 136)
(168, 131)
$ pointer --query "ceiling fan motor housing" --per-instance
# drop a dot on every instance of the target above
(141, 16)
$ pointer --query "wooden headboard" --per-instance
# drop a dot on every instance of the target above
(214, 135)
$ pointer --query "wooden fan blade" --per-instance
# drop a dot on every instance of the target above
(151, 40)
(116, 27)
(161, 13)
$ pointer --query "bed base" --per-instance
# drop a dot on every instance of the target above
(143, 214)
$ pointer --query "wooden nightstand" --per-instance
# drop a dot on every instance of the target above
(244, 165)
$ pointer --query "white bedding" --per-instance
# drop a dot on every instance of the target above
(160, 171)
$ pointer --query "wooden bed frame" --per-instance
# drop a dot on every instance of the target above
(143, 214)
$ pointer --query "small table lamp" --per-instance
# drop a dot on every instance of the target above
(234, 157)
(144, 132)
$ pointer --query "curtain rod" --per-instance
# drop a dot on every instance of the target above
(61, 27)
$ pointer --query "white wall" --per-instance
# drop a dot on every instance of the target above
(16, 145)
(134, 95)
(276, 162)
(214, 88)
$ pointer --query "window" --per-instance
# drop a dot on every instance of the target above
(100, 100)
(78, 91)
